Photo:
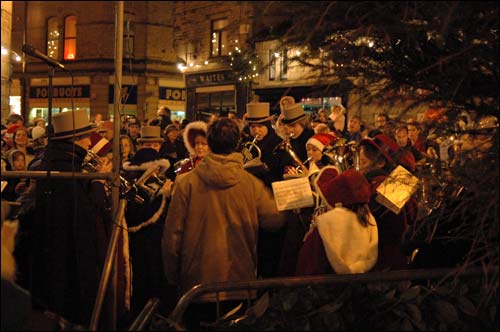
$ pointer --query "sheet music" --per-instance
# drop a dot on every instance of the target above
(397, 189)
(293, 194)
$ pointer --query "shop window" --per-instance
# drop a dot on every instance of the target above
(219, 42)
(220, 103)
(53, 38)
(70, 38)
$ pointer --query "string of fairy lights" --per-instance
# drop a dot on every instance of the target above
(244, 62)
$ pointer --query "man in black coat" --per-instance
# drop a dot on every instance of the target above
(64, 244)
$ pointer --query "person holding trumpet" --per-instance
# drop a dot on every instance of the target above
(258, 148)
(297, 127)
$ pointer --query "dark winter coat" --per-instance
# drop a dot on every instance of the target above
(391, 227)
(68, 236)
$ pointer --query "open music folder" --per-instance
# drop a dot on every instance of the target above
(397, 189)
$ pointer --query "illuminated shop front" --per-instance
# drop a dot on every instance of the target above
(214, 93)
(65, 96)
(174, 97)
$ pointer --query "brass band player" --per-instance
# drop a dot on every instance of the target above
(263, 139)
(262, 142)
(298, 129)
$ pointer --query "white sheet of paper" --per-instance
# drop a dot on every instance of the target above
(293, 194)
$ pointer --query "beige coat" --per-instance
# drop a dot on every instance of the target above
(211, 229)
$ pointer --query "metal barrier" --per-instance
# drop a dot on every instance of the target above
(175, 317)
(58, 175)
(145, 315)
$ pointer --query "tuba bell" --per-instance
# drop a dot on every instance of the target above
(287, 147)
(343, 155)
(150, 183)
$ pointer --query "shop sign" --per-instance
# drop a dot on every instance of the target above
(128, 94)
(212, 78)
(60, 91)
(167, 93)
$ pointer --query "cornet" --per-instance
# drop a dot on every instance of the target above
(248, 157)
(91, 164)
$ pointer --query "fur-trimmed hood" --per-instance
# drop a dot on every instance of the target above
(164, 163)
(144, 159)
(189, 139)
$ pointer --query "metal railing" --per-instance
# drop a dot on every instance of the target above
(58, 175)
(175, 317)
(145, 315)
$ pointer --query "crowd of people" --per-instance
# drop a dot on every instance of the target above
(210, 215)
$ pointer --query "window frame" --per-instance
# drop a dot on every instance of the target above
(48, 39)
(284, 65)
(69, 38)
(272, 66)
(219, 33)
(128, 36)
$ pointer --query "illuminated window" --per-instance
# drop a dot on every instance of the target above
(128, 36)
(283, 65)
(272, 65)
(53, 38)
(278, 60)
(70, 38)
(219, 43)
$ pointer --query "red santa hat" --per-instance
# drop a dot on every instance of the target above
(100, 145)
(322, 140)
(9, 134)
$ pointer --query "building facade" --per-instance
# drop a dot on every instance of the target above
(179, 54)
(81, 35)
(207, 34)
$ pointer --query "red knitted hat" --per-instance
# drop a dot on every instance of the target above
(348, 188)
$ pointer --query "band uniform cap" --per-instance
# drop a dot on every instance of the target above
(37, 132)
(293, 113)
(133, 121)
(105, 126)
(286, 101)
(258, 112)
(63, 124)
(150, 134)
